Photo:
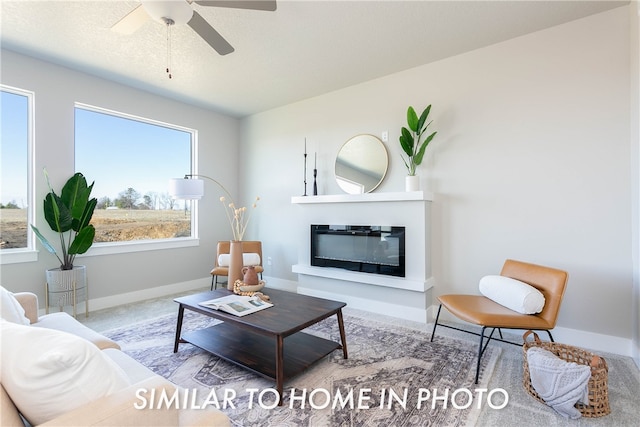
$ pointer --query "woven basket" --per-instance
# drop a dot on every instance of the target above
(598, 390)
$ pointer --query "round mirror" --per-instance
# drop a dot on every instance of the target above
(361, 164)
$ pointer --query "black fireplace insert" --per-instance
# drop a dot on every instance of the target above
(374, 249)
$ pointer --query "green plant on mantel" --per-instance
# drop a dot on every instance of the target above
(410, 138)
(69, 215)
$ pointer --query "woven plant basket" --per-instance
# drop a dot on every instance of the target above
(598, 390)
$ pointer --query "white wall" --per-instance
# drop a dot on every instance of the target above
(56, 89)
(634, 56)
(531, 162)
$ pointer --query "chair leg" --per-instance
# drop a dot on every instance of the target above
(550, 336)
(480, 353)
(435, 324)
(214, 282)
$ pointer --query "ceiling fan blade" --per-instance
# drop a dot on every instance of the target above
(268, 5)
(132, 21)
(209, 34)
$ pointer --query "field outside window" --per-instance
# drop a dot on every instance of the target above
(131, 161)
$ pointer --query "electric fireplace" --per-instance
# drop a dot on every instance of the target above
(374, 249)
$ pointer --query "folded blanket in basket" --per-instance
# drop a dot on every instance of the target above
(559, 383)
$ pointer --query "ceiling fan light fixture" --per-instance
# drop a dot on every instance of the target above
(179, 11)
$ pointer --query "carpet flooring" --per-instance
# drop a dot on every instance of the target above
(394, 376)
(521, 410)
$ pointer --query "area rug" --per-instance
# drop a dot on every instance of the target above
(394, 376)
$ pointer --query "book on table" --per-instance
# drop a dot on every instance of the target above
(237, 305)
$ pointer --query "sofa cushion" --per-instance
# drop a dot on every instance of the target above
(47, 372)
(10, 308)
(62, 321)
(135, 371)
(513, 294)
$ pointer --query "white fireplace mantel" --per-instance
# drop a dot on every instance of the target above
(402, 196)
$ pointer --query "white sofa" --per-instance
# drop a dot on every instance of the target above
(113, 408)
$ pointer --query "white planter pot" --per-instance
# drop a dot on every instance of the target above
(66, 287)
(412, 183)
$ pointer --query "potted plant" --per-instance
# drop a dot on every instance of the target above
(68, 214)
(410, 141)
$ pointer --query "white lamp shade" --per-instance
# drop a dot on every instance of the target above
(182, 188)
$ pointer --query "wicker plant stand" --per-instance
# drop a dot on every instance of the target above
(598, 389)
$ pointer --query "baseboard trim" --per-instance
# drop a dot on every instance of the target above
(145, 294)
(401, 312)
(593, 341)
(159, 291)
(166, 290)
(280, 284)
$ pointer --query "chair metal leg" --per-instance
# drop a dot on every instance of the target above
(482, 345)
(214, 282)
(435, 324)
(480, 353)
(550, 336)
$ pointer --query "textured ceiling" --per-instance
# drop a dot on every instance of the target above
(303, 49)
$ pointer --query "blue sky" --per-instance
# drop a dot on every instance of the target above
(13, 148)
(115, 152)
(119, 153)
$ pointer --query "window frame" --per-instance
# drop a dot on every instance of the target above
(108, 248)
(30, 252)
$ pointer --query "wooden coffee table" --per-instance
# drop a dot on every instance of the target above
(268, 342)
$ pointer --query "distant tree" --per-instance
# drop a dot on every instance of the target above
(11, 205)
(103, 203)
(147, 202)
(166, 201)
(151, 200)
(128, 199)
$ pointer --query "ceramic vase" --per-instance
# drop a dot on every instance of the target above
(235, 263)
(249, 276)
(412, 183)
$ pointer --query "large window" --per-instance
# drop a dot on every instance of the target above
(16, 124)
(131, 161)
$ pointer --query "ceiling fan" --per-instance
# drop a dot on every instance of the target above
(178, 12)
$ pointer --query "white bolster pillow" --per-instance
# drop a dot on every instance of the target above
(247, 259)
(513, 294)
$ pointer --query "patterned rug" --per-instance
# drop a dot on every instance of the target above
(394, 376)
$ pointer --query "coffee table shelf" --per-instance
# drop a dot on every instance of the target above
(257, 352)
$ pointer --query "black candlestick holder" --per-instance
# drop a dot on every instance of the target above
(315, 182)
(305, 174)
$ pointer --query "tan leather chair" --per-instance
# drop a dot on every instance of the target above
(251, 246)
(480, 310)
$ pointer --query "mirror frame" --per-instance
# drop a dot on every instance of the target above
(382, 157)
